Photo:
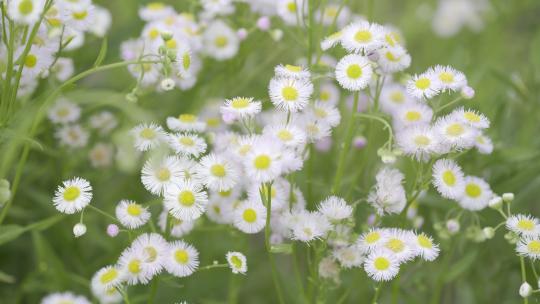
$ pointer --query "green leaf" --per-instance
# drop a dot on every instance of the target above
(102, 52)
(10, 232)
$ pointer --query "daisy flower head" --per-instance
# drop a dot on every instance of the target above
(159, 175)
(237, 262)
(220, 211)
(399, 245)
(279, 192)
(325, 113)
(63, 68)
(132, 215)
(155, 11)
(419, 142)
(412, 114)
(393, 96)
(64, 111)
(393, 59)
(335, 208)
(263, 163)
(454, 133)
(333, 11)
(289, 10)
(73, 195)
(328, 93)
(425, 246)
(424, 86)
(104, 122)
(241, 107)
(449, 78)
(315, 129)
(362, 37)
(476, 195)
(186, 200)
(289, 135)
(353, 72)
(381, 266)
(106, 278)
(79, 17)
(186, 123)
(221, 42)
(471, 117)
(388, 194)
(73, 136)
(448, 178)
(182, 259)
(310, 226)
(25, 11)
(250, 217)
(331, 41)
(179, 228)
(217, 173)
(292, 71)
(184, 59)
(529, 247)
(133, 267)
(348, 256)
(187, 144)
(524, 225)
(290, 94)
(64, 297)
(153, 248)
(369, 241)
(242, 145)
(37, 61)
(147, 136)
(483, 144)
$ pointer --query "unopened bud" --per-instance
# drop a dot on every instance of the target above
(467, 92)
(525, 290)
(496, 202)
(79, 229)
(508, 197)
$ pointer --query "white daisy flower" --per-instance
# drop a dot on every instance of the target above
(310, 226)
(381, 266)
(425, 247)
(102, 20)
(184, 61)
(241, 107)
(237, 262)
(397, 243)
(73, 136)
(412, 114)
(424, 86)
(289, 135)
(73, 195)
(217, 173)
(335, 208)
(388, 195)
(64, 111)
(187, 144)
(448, 179)
(393, 97)
(159, 175)
(362, 37)
(329, 93)
(241, 146)
(279, 192)
(483, 144)
(63, 68)
(471, 117)
(250, 217)
(79, 18)
(325, 113)
(64, 298)
(104, 122)
(221, 42)
(221, 211)
(315, 129)
(147, 136)
(106, 278)
(524, 225)
(289, 94)
(393, 59)
(179, 228)
(292, 71)
(101, 155)
(156, 11)
(289, 10)
(353, 72)
(529, 247)
(132, 264)
(348, 256)
(263, 163)
(132, 215)
(331, 41)
(153, 248)
(368, 241)
(450, 78)
(477, 194)
(454, 133)
(186, 123)
(25, 11)
(186, 200)
(419, 142)
(182, 259)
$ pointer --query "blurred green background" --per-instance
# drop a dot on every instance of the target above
(502, 63)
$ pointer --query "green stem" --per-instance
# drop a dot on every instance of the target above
(90, 206)
(153, 290)
(213, 266)
(448, 104)
(346, 145)
(377, 293)
(523, 276)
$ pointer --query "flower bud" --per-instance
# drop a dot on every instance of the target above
(496, 203)
(359, 142)
(264, 23)
(489, 232)
(166, 35)
(167, 84)
(276, 34)
(467, 92)
(525, 290)
(79, 229)
(452, 226)
(324, 144)
(242, 33)
(112, 230)
(508, 197)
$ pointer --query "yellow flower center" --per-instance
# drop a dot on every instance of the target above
(293, 68)
(424, 241)
(153, 33)
(325, 95)
(171, 44)
(80, 15)
(472, 117)
(381, 263)
(218, 170)
(446, 77)
(262, 162)
(225, 193)
(240, 103)
(449, 178)
(473, 190)
(71, 193)
(181, 256)
(163, 174)
(26, 7)
(221, 41)
(372, 237)
(249, 215)
(30, 61)
(413, 116)
(397, 97)
(285, 135)
(155, 6)
(291, 7)
(422, 140)
(134, 209)
(212, 122)
(396, 245)
(244, 149)
(422, 83)
(455, 129)
(289, 93)
(186, 141)
(391, 57)
(534, 247)
(363, 36)
(236, 262)
(148, 133)
(188, 118)
(320, 112)
(526, 224)
(186, 61)
(63, 112)
(354, 71)
(134, 266)
(186, 198)
(109, 276)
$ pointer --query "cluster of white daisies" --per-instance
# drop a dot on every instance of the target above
(526, 229)
(63, 28)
